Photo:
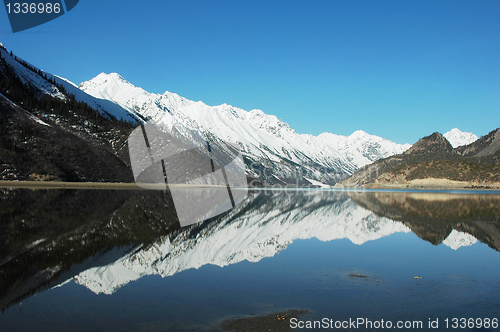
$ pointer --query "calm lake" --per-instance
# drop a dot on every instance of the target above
(117, 260)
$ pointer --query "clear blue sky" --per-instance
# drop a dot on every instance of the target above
(396, 69)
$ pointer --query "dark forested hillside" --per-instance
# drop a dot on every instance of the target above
(51, 136)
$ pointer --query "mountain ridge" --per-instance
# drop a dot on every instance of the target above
(432, 162)
(262, 138)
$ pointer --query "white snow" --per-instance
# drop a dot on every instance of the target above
(34, 118)
(458, 239)
(457, 138)
(63, 283)
(257, 133)
(361, 148)
(35, 243)
(317, 183)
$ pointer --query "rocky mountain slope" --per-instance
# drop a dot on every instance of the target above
(433, 162)
(45, 134)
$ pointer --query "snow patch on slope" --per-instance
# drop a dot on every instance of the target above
(30, 77)
(37, 120)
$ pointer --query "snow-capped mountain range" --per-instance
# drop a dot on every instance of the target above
(262, 138)
(273, 151)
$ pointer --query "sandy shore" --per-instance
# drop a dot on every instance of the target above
(432, 183)
(423, 184)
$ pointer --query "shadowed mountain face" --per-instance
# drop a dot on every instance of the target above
(488, 145)
(49, 235)
(52, 236)
(45, 134)
(433, 162)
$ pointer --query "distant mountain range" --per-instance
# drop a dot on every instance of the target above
(99, 114)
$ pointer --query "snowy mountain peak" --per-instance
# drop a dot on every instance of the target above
(103, 79)
(457, 138)
(257, 112)
(361, 148)
(108, 86)
(111, 76)
(359, 133)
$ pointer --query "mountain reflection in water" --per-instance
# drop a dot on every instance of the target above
(103, 240)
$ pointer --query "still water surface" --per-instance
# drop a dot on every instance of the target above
(94, 260)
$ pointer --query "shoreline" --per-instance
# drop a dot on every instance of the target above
(432, 184)
(68, 185)
(133, 186)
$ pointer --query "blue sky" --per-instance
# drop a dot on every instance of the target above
(396, 69)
